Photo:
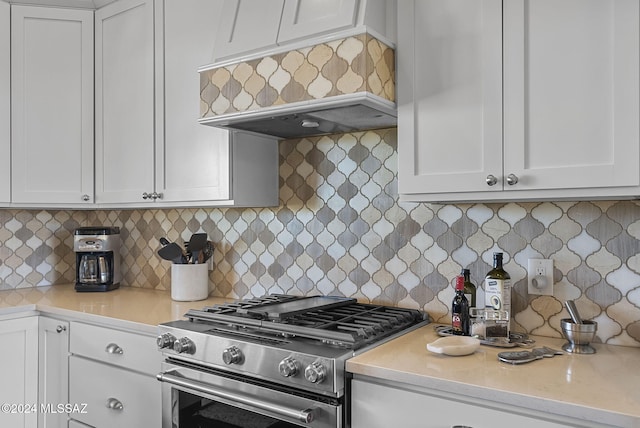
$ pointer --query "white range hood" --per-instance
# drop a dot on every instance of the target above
(339, 86)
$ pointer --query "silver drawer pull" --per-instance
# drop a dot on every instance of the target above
(114, 403)
(61, 328)
(112, 348)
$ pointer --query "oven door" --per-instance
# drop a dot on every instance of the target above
(197, 397)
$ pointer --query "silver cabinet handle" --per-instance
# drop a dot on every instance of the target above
(305, 416)
(114, 403)
(61, 328)
(491, 180)
(86, 198)
(512, 179)
(112, 348)
(152, 195)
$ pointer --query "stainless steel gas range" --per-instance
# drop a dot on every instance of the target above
(271, 362)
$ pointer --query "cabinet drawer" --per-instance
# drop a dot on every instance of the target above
(125, 349)
(114, 397)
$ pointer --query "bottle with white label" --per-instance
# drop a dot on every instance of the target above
(497, 288)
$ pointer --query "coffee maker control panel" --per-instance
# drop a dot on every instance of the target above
(90, 244)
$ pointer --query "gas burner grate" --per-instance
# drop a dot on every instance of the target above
(345, 323)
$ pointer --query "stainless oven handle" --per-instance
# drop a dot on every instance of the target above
(305, 416)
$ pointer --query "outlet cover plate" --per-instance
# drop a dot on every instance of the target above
(540, 277)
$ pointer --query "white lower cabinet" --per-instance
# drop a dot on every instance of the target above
(19, 372)
(378, 405)
(114, 397)
(53, 371)
(113, 372)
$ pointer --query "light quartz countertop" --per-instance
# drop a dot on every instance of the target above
(603, 387)
(126, 307)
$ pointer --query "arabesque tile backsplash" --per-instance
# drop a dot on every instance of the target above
(340, 230)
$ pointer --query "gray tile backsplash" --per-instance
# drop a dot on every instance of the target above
(340, 229)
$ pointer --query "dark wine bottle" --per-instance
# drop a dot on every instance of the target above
(469, 288)
(460, 321)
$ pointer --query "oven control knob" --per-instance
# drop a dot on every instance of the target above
(315, 372)
(288, 367)
(184, 345)
(232, 355)
(165, 340)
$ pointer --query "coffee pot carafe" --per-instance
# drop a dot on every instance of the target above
(97, 258)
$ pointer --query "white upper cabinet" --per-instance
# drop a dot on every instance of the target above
(151, 150)
(5, 103)
(526, 100)
(124, 84)
(258, 27)
(449, 81)
(198, 164)
(571, 85)
(52, 105)
(192, 161)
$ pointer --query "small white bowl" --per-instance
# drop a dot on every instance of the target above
(454, 345)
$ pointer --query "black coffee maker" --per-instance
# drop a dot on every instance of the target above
(97, 258)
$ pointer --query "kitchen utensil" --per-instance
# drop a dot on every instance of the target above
(579, 336)
(521, 357)
(454, 345)
(573, 311)
(164, 241)
(207, 252)
(173, 253)
(196, 245)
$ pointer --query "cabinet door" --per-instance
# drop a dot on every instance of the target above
(381, 406)
(5, 103)
(192, 160)
(19, 372)
(449, 95)
(303, 18)
(571, 93)
(246, 26)
(52, 105)
(53, 370)
(124, 101)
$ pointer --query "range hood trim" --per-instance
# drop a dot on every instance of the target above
(387, 113)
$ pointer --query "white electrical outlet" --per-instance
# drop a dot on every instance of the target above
(540, 277)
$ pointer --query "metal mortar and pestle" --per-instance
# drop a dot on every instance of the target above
(577, 331)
